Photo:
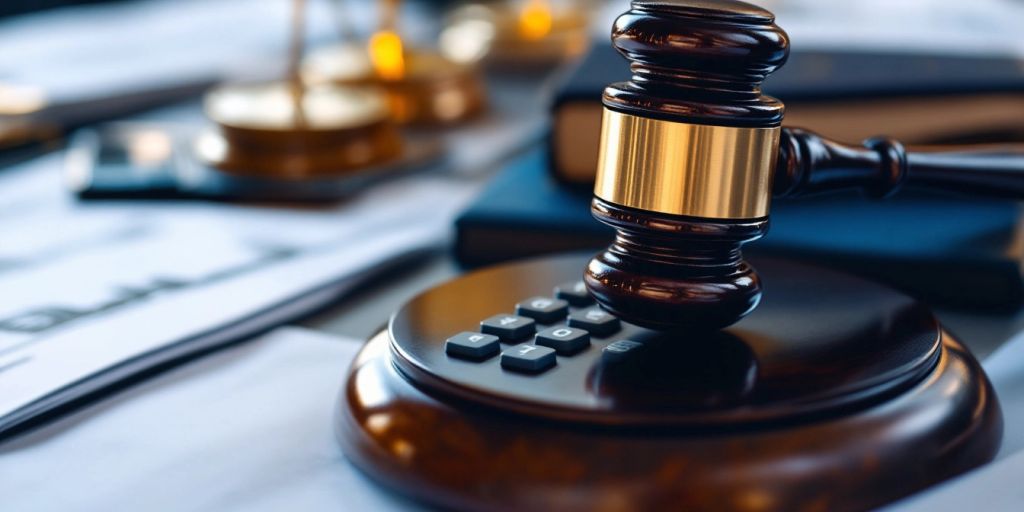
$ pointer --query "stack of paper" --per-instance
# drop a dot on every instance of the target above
(246, 429)
(92, 293)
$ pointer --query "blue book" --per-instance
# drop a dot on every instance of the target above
(945, 249)
(847, 95)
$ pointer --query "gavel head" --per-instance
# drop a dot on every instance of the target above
(688, 150)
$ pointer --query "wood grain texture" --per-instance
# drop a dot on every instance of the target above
(674, 272)
(698, 61)
(469, 458)
(864, 402)
(809, 163)
(702, 62)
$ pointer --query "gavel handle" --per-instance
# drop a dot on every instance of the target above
(809, 163)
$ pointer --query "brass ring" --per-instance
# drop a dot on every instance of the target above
(717, 172)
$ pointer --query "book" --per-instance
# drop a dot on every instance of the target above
(944, 249)
(845, 95)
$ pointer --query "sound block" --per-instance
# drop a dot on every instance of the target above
(835, 394)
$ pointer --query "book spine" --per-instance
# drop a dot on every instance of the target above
(573, 143)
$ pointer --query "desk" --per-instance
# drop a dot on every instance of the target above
(366, 310)
(252, 440)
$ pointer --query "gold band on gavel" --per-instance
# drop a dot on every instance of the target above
(718, 172)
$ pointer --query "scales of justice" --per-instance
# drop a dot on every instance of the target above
(346, 107)
(340, 111)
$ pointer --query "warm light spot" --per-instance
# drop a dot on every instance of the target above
(402, 449)
(386, 55)
(467, 41)
(535, 20)
(149, 147)
(756, 499)
(18, 99)
(450, 104)
(378, 423)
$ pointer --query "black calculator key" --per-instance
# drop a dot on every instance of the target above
(528, 358)
(565, 340)
(543, 309)
(472, 345)
(509, 327)
(575, 292)
(621, 350)
(595, 320)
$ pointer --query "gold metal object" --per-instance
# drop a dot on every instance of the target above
(535, 36)
(260, 133)
(296, 48)
(422, 87)
(717, 172)
(343, 63)
(290, 130)
(434, 90)
(23, 118)
(431, 89)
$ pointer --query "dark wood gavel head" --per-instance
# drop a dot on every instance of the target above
(688, 151)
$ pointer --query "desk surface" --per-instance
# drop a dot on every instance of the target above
(366, 310)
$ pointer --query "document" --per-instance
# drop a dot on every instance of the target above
(249, 428)
(93, 293)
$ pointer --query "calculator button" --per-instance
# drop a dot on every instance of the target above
(528, 358)
(621, 350)
(509, 327)
(543, 309)
(565, 340)
(575, 292)
(472, 345)
(595, 320)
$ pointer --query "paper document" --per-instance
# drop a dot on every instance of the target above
(90, 293)
(249, 428)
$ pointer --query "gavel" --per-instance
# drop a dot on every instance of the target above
(692, 153)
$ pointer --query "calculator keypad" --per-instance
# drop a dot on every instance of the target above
(510, 328)
(565, 340)
(528, 358)
(621, 350)
(472, 345)
(570, 321)
(596, 321)
(543, 309)
(575, 293)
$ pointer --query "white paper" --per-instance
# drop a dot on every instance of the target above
(249, 428)
(90, 293)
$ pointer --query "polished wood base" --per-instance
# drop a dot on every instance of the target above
(836, 394)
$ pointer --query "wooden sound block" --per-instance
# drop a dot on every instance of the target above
(835, 394)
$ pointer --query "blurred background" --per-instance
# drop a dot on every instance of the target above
(286, 153)
(313, 102)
